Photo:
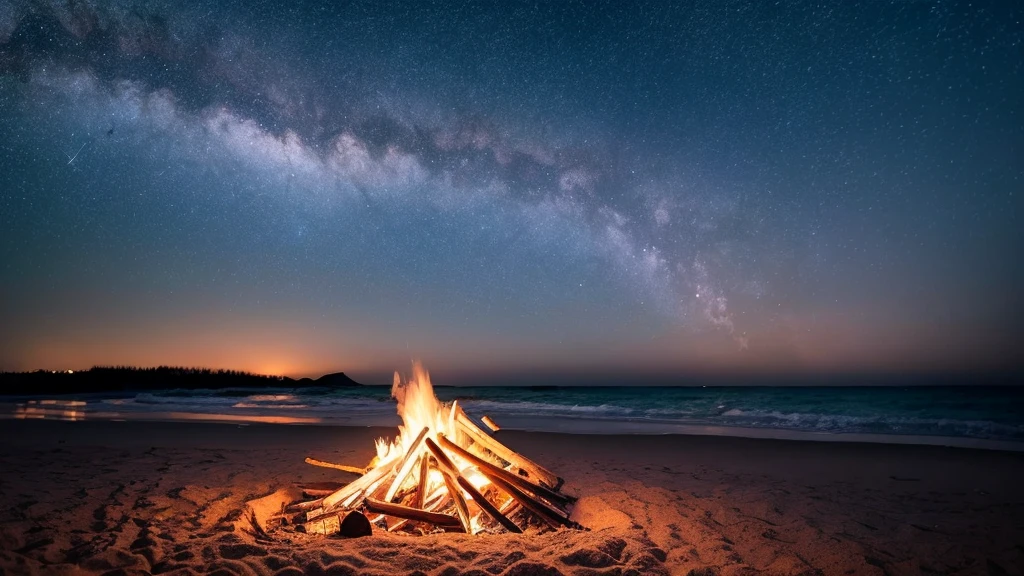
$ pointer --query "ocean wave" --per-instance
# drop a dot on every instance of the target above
(152, 398)
(273, 397)
(879, 424)
(521, 408)
(721, 415)
(932, 412)
(265, 406)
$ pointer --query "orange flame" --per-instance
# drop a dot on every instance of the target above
(419, 409)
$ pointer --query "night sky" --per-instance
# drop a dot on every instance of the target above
(657, 188)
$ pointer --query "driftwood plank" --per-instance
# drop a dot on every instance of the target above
(460, 502)
(509, 508)
(505, 453)
(375, 490)
(421, 492)
(316, 492)
(487, 507)
(436, 501)
(342, 467)
(358, 485)
(414, 514)
(514, 479)
(327, 524)
(408, 461)
(555, 517)
(448, 468)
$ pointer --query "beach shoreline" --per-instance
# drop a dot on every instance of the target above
(148, 497)
(941, 416)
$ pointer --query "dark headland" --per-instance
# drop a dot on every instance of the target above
(125, 378)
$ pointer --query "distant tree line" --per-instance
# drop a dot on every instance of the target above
(123, 378)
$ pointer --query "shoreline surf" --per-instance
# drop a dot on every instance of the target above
(70, 410)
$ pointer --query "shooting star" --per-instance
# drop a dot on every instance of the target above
(72, 158)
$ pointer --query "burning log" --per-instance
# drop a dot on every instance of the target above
(357, 487)
(421, 489)
(436, 501)
(489, 469)
(460, 503)
(408, 461)
(452, 476)
(516, 487)
(501, 451)
(448, 469)
(414, 514)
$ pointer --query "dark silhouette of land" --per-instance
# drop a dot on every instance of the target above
(125, 378)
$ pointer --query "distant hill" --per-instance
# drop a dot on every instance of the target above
(336, 379)
(123, 378)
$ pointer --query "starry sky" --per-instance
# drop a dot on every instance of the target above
(512, 188)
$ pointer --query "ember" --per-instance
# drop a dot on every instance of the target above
(442, 472)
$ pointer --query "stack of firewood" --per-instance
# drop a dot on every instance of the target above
(510, 491)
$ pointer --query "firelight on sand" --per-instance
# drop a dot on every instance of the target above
(441, 472)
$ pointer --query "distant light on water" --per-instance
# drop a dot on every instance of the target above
(69, 410)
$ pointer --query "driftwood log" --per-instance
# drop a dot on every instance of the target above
(449, 470)
(533, 469)
(414, 514)
(342, 467)
(515, 487)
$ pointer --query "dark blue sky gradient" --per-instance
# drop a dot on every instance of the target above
(510, 188)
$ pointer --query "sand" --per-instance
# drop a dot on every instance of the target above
(170, 498)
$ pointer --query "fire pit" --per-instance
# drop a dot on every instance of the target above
(442, 473)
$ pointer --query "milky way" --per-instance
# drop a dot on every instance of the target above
(568, 187)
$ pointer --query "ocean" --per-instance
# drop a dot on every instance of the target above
(977, 416)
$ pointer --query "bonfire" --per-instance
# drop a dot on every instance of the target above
(442, 473)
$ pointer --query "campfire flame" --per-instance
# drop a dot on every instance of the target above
(419, 408)
(442, 470)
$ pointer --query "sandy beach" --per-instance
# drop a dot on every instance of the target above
(171, 498)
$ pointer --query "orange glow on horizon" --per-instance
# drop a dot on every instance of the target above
(296, 347)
